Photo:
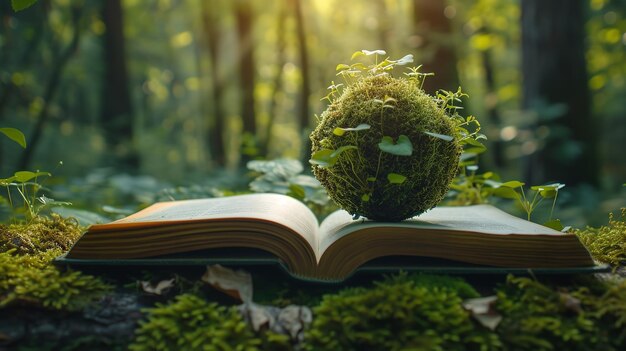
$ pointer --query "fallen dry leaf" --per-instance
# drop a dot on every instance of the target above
(570, 302)
(237, 284)
(259, 317)
(291, 320)
(482, 309)
(158, 289)
(294, 319)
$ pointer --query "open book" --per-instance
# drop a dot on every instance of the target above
(332, 250)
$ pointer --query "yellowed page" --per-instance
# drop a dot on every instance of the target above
(280, 209)
(479, 218)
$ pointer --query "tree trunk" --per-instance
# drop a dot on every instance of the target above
(435, 32)
(215, 123)
(244, 18)
(51, 89)
(278, 80)
(116, 111)
(305, 87)
(496, 146)
(554, 73)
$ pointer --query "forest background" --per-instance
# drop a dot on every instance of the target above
(135, 97)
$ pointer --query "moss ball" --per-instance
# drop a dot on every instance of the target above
(374, 175)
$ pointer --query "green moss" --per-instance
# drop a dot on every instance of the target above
(360, 180)
(398, 314)
(610, 308)
(40, 235)
(31, 279)
(537, 317)
(431, 281)
(191, 323)
(606, 243)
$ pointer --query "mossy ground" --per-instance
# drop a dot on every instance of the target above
(421, 311)
(40, 235)
(359, 182)
(27, 275)
(606, 243)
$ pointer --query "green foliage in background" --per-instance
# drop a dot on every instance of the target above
(407, 312)
(284, 176)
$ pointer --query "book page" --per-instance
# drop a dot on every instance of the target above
(277, 208)
(482, 219)
(478, 218)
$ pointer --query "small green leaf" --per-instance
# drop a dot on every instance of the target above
(475, 146)
(365, 197)
(341, 131)
(19, 5)
(402, 147)
(506, 193)
(296, 191)
(49, 202)
(475, 150)
(512, 184)
(395, 178)
(554, 224)
(405, 60)
(7, 181)
(440, 136)
(342, 66)
(357, 54)
(25, 176)
(371, 179)
(389, 99)
(373, 52)
(548, 191)
(327, 157)
(14, 135)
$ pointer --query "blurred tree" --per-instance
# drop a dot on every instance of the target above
(216, 130)
(555, 88)
(51, 86)
(305, 86)
(116, 113)
(434, 36)
(244, 18)
(491, 101)
(278, 78)
(11, 53)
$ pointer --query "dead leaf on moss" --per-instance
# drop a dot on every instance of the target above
(570, 302)
(157, 289)
(237, 284)
(291, 320)
(483, 310)
(294, 319)
(259, 317)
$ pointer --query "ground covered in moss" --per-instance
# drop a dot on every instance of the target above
(43, 307)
